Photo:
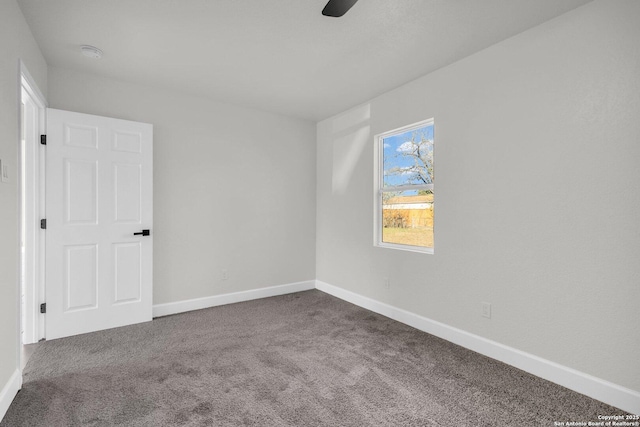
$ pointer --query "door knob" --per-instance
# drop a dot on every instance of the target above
(142, 233)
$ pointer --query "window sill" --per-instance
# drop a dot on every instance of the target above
(408, 248)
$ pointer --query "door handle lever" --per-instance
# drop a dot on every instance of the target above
(142, 233)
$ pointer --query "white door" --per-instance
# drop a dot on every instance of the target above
(98, 196)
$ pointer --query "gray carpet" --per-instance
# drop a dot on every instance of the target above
(305, 359)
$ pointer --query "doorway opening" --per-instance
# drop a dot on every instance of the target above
(31, 177)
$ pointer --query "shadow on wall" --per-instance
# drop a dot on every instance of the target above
(350, 134)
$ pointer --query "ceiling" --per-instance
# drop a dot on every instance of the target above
(277, 55)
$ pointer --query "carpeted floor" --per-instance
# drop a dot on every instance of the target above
(305, 359)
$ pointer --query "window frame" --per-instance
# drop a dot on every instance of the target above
(379, 188)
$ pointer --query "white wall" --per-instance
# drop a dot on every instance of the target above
(537, 208)
(16, 42)
(234, 188)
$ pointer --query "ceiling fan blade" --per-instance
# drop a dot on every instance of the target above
(337, 8)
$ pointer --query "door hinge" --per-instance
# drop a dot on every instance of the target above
(43, 307)
(43, 224)
(43, 139)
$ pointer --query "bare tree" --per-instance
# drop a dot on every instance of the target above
(420, 150)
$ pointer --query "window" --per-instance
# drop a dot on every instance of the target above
(404, 195)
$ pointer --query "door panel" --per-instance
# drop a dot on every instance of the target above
(127, 142)
(80, 191)
(99, 192)
(80, 269)
(128, 196)
(76, 135)
(127, 272)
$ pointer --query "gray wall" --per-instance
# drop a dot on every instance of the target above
(537, 171)
(16, 42)
(234, 188)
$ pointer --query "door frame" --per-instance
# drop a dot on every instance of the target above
(31, 209)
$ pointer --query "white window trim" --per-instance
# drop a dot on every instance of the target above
(378, 189)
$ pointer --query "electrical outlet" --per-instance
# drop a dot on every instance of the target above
(387, 283)
(486, 310)
(225, 274)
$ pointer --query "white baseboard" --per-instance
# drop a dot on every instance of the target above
(9, 391)
(213, 301)
(596, 388)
